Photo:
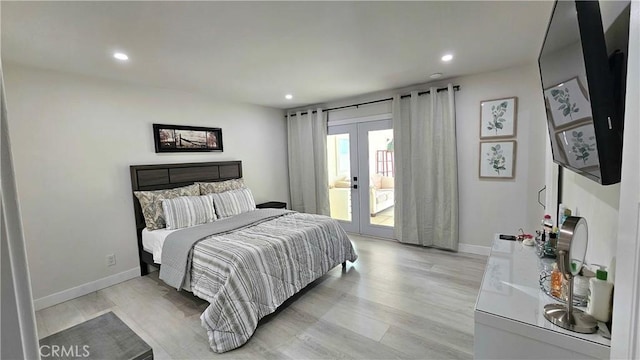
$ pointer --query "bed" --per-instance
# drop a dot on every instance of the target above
(245, 265)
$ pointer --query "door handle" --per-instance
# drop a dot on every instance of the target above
(539, 193)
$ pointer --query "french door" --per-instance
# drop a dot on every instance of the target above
(361, 169)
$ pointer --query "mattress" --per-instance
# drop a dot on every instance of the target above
(152, 242)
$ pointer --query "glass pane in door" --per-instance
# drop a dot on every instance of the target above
(339, 169)
(381, 177)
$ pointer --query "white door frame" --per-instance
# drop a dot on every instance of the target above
(366, 227)
(359, 154)
(352, 226)
(625, 340)
(19, 330)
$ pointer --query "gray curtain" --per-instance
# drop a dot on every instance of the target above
(426, 210)
(308, 178)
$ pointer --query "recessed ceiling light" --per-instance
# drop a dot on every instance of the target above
(288, 96)
(435, 75)
(121, 56)
(447, 57)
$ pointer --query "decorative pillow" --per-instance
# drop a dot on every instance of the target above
(376, 180)
(387, 182)
(233, 202)
(185, 211)
(151, 203)
(220, 186)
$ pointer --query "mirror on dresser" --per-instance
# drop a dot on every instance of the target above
(571, 251)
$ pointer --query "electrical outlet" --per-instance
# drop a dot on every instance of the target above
(111, 259)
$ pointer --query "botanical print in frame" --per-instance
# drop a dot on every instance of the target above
(497, 159)
(578, 144)
(177, 138)
(567, 103)
(498, 118)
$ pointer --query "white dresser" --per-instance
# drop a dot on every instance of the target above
(509, 319)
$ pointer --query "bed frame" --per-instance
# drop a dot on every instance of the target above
(168, 176)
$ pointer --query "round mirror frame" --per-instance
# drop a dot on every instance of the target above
(566, 243)
(565, 315)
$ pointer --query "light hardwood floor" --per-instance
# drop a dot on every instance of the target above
(384, 217)
(396, 301)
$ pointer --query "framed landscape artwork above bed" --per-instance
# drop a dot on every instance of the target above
(177, 138)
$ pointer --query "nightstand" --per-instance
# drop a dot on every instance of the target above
(272, 205)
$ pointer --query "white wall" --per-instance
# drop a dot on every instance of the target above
(599, 206)
(486, 206)
(73, 140)
(625, 343)
(490, 206)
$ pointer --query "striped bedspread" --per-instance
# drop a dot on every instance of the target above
(247, 273)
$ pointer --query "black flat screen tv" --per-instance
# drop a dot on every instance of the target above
(583, 71)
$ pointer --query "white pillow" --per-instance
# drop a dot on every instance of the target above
(233, 202)
(188, 211)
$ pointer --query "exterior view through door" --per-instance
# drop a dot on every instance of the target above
(360, 162)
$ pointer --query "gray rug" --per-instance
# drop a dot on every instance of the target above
(103, 337)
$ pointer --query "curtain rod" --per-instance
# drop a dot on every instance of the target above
(455, 88)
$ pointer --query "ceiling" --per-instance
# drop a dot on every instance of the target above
(256, 52)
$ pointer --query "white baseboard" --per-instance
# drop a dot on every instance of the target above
(474, 249)
(62, 296)
(465, 248)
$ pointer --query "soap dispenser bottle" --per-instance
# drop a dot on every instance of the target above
(600, 291)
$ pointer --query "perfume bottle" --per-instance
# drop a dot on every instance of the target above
(556, 281)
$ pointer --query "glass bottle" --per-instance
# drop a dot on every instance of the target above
(556, 282)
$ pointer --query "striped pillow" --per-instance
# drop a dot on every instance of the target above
(188, 211)
(151, 203)
(233, 202)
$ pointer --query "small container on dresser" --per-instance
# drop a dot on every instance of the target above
(556, 281)
(600, 291)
